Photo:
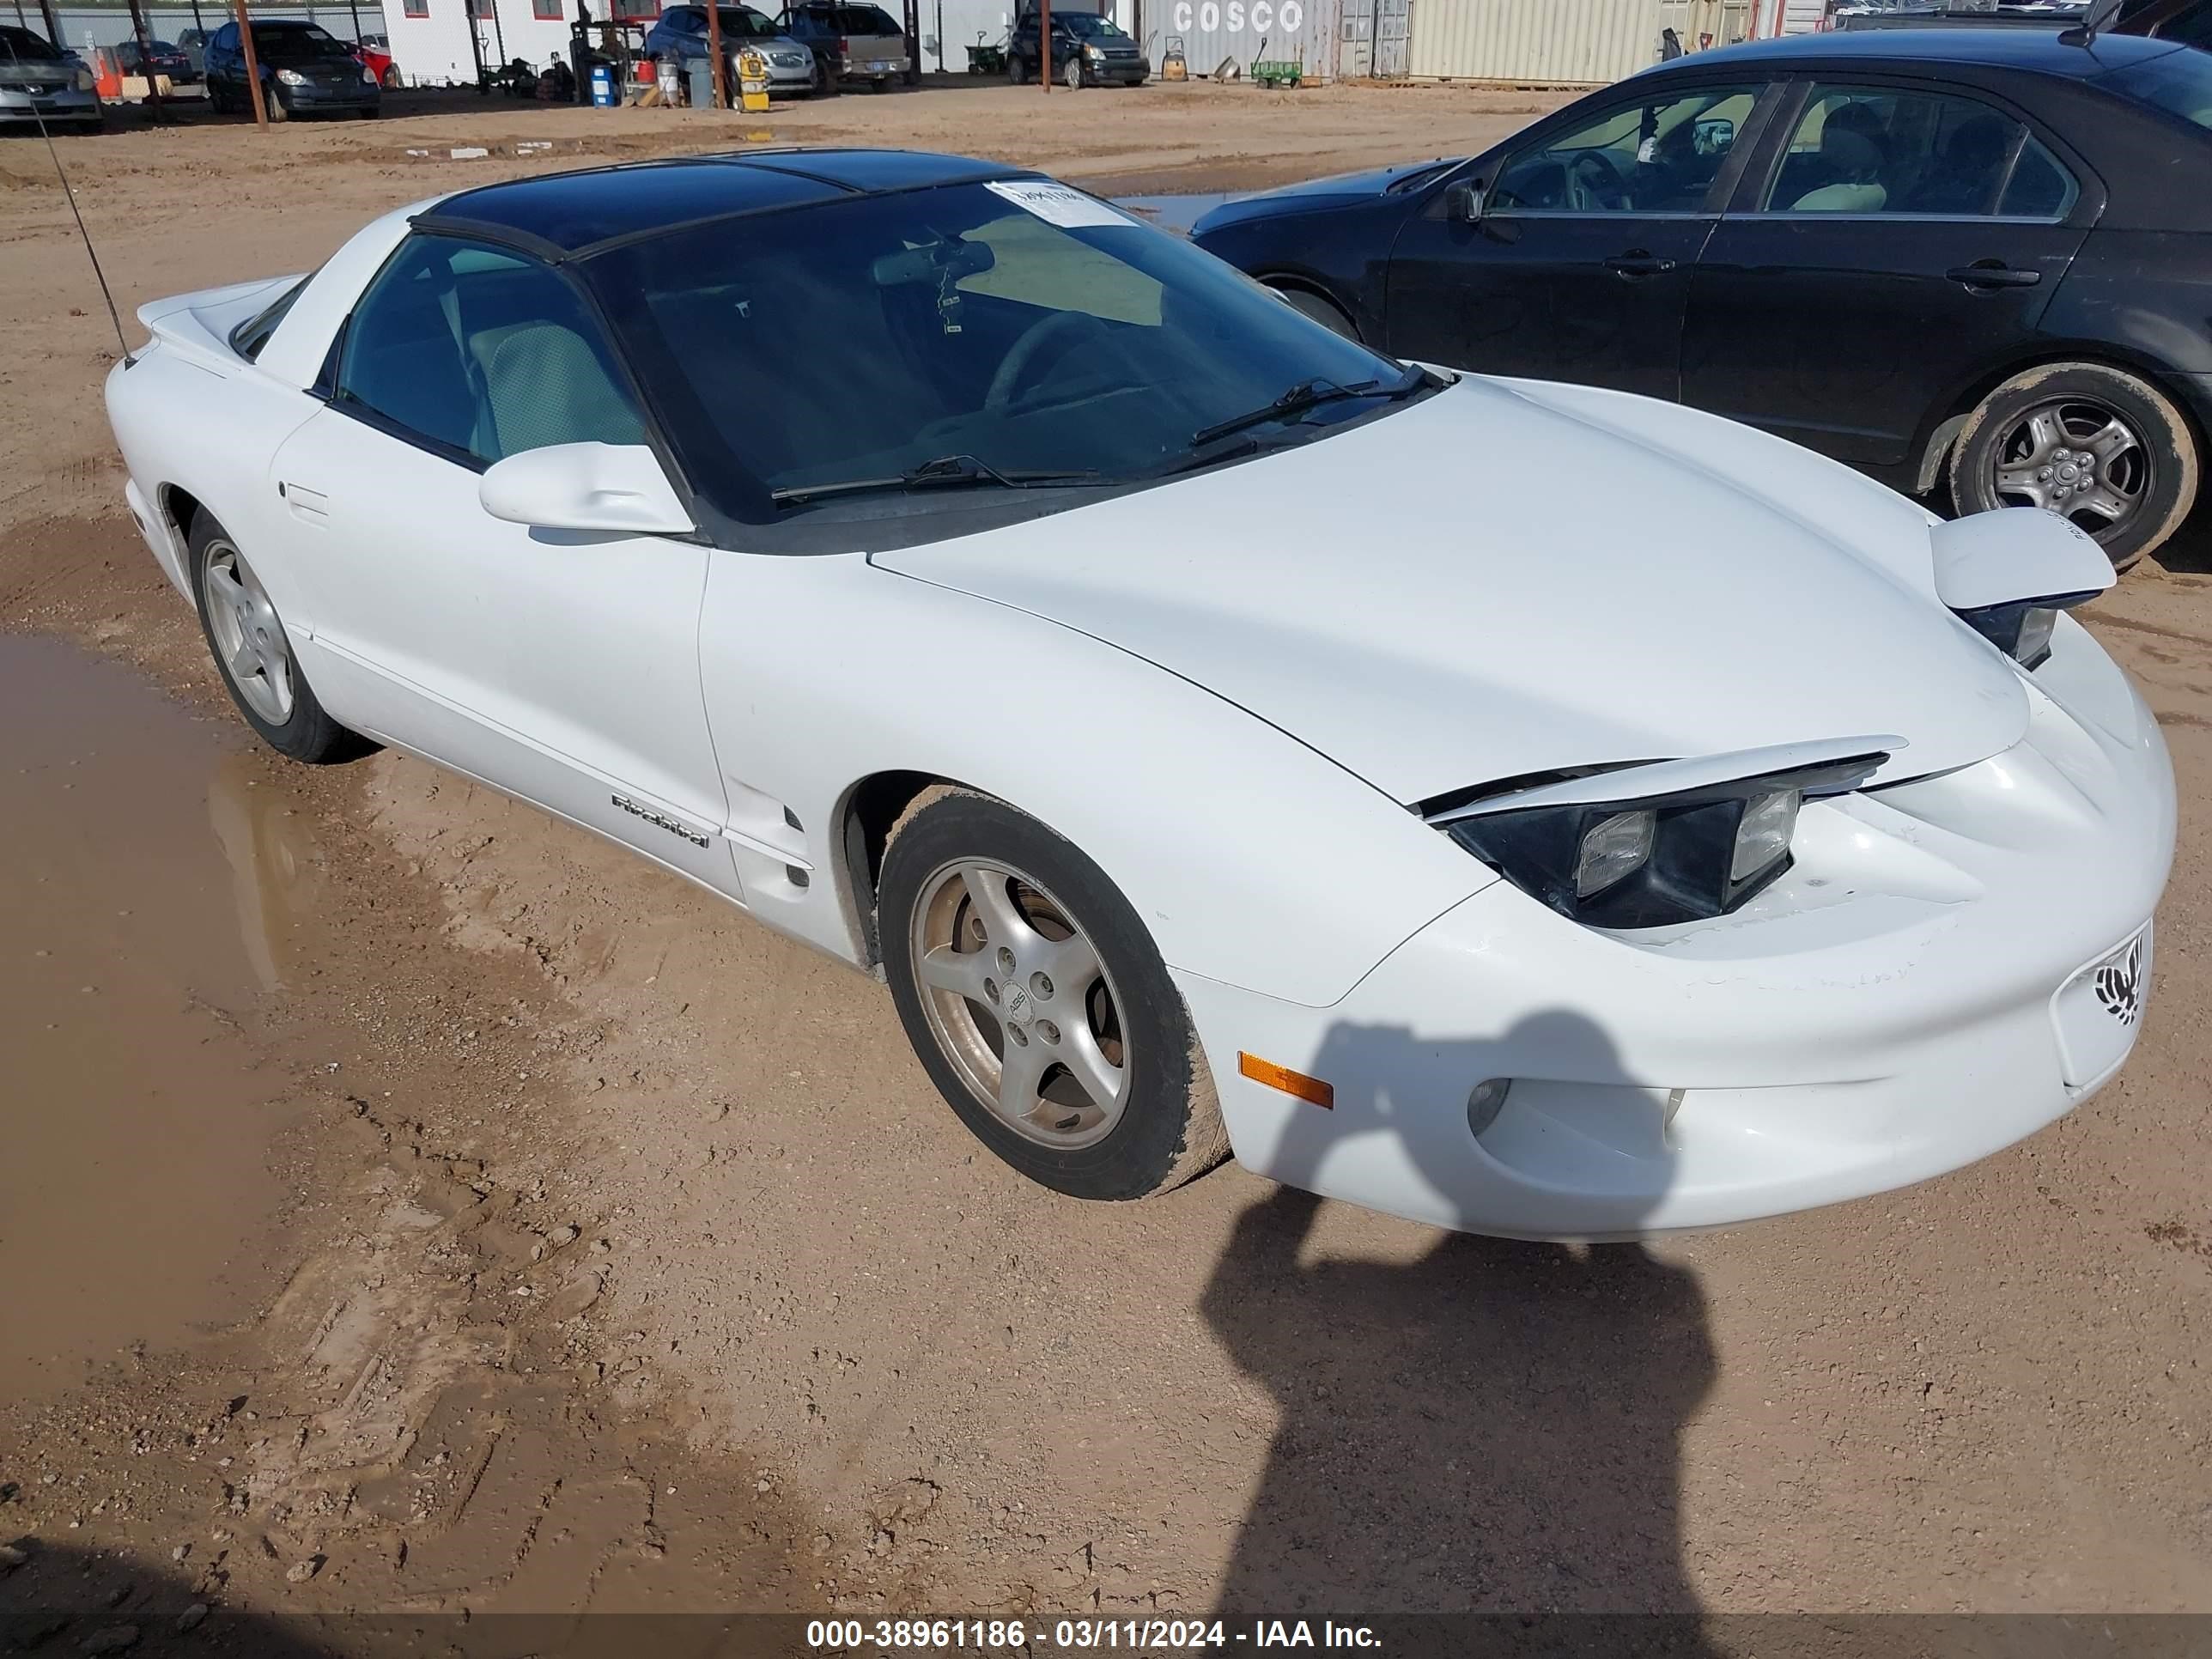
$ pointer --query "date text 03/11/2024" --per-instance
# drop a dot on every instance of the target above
(1124, 1635)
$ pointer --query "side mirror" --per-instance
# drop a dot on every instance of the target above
(615, 489)
(1463, 203)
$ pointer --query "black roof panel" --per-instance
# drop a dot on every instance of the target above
(572, 211)
(2037, 50)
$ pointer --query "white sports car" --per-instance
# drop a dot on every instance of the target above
(1533, 810)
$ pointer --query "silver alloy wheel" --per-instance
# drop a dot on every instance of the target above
(247, 635)
(1019, 1003)
(2077, 459)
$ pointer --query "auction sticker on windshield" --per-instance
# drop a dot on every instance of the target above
(1056, 204)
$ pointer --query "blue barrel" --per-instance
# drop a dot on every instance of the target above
(603, 85)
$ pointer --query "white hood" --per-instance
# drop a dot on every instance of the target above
(1515, 578)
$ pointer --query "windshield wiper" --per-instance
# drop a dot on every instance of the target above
(946, 472)
(1305, 395)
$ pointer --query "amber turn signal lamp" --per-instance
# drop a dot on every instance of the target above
(1290, 1082)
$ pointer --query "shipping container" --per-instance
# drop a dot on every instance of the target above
(1551, 42)
(1212, 33)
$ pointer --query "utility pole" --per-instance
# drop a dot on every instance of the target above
(253, 65)
(145, 59)
(1044, 44)
(715, 45)
(53, 28)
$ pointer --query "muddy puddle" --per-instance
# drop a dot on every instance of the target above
(151, 890)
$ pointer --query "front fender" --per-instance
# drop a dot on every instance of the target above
(1253, 860)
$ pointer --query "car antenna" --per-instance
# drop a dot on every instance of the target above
(91, 253)
(2084, 33)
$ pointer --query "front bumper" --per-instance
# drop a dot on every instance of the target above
(63, 104)
(1122, 72)
(1889, 1010)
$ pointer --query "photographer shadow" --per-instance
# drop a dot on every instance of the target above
(1492, 1426)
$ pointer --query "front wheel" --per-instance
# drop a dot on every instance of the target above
(1015, 75)
(1072, 76)
(2098, 446)
(253, 654)
(1039, 1005)
(1326, 312)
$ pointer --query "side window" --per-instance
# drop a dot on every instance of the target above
(1654, 157)
(1874, 150)
(250, 335)
(483, 353)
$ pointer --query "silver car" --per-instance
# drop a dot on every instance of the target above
(680, 32)
(40, 82)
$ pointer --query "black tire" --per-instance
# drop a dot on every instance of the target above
(1171, 1129)
(391, 82)
(1330, 315)
(370, 114)
(2163, 481)
(1015, 75)
(309, 734)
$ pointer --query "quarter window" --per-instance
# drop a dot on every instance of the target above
(482, 353)
(1656, 157)
(1877, 150)
(416, 8)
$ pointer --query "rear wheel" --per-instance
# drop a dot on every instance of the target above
(391, 82)
(1326, 312)
(253, 654)
(1039, 1004)
(2098, 446)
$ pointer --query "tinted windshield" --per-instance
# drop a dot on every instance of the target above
(296, 45)
(1086, 23)
(863, 339)
(2180, 82)
(744, 23)
(22, 44)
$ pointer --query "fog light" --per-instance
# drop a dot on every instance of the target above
(1484, 1103)
(1763, 834)
(1612, 850)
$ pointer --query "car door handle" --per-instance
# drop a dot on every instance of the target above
(1636, 263)
(1993, 275)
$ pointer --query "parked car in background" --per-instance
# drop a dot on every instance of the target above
(680, 32)
(1087, 50)
(2189, 22)
(375, 51)
(1713, 837)
(852, 42)
(1972, 258)
(305, 70)
(164, 56)
(39, 82)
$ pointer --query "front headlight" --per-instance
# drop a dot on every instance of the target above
(1650, 860)
(368, 76)
(86, 81)
(1092, 52)
(292, 78)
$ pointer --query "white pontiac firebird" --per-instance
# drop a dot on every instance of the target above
(1529, 809)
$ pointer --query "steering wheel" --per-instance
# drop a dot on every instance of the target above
(1023, 352)
(1586, 194)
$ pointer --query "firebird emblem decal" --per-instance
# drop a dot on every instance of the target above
(2119, 987)
(677, 827)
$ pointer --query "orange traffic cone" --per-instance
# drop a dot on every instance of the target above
(106, 77)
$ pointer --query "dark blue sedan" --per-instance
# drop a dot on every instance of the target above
(1971, 262)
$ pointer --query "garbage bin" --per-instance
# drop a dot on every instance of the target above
(699, 83)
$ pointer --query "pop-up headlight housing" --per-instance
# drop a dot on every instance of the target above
(1661, 842)
(2007, 575)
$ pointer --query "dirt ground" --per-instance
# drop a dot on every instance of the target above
(410, 1203)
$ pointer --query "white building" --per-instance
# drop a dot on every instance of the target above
(431, 38)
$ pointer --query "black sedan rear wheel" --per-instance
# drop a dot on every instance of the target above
(2097, 445)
